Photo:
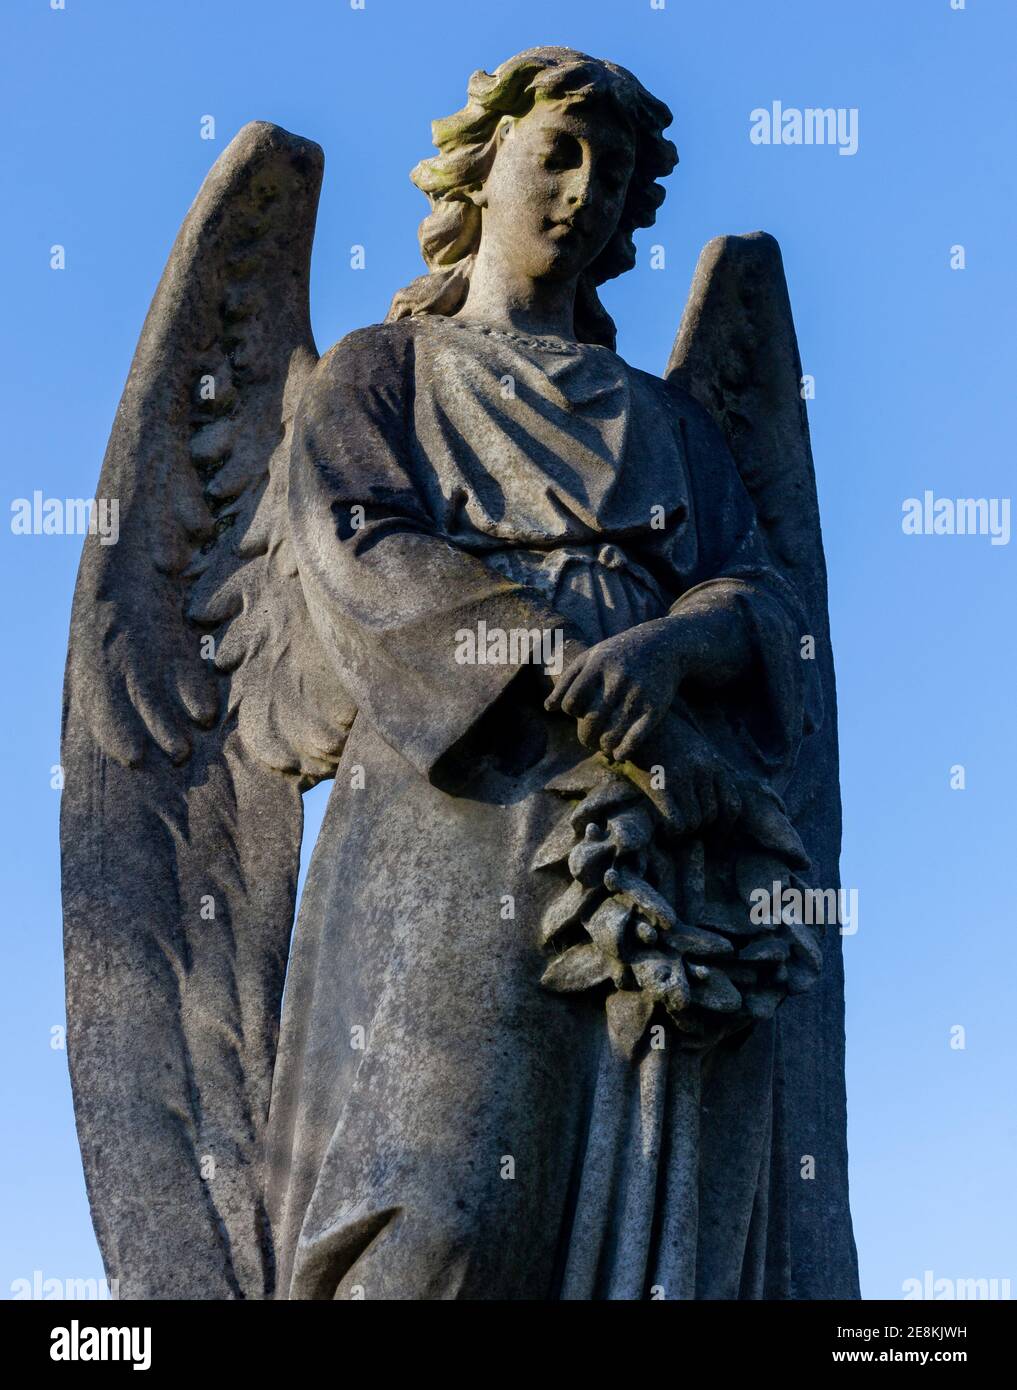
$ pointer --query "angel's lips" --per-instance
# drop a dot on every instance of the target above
(560, 228)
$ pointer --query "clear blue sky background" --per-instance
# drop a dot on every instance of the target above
(914, 369)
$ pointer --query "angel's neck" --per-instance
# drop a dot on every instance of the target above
(502, 298)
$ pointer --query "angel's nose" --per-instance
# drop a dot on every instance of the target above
(579, 187)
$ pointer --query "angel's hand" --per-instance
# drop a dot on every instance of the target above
(619, 690)
(692, 785)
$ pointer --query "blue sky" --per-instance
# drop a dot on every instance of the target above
(913, 363)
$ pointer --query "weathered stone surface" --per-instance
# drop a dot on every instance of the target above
(539, 614)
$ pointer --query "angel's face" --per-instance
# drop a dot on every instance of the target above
(556, 189)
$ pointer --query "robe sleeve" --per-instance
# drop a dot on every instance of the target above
(780, 699)
(390, 596)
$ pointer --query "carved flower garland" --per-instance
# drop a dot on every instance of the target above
(664, 922)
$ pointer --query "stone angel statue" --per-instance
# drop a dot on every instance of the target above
(557, 628)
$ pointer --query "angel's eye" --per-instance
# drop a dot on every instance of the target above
(612, 177)
(564, 153)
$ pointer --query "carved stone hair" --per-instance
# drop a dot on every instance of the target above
(450, 234)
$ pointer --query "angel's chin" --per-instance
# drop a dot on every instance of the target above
(563, 257)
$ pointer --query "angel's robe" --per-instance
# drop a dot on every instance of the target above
(441, 1126)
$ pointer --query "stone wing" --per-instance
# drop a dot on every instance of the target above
(197, 707)
(737, 353)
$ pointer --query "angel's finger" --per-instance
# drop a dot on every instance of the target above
(617, 736)
(637, 731)
(590, 727)
(563, 682)
(623, 711)
(584, 690)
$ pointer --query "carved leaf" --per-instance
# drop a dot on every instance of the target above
(581, 967)
(567, 909)
(557, 845)
(607, 927)
(628, 1013)
(636, 892)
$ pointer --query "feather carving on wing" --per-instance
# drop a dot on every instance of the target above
(197, 707)
(737, 353)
